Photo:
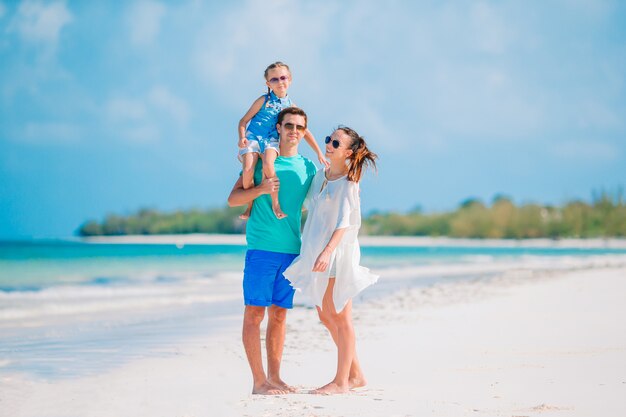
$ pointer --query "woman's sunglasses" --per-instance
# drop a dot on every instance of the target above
(335, 142)
(291, 126)
(277, 79)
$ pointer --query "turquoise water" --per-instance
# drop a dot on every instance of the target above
(35, 265)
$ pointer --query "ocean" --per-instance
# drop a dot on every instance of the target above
(71, 308)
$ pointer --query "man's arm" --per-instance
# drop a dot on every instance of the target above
(240, 196)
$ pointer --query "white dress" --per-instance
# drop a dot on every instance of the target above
(332, 205)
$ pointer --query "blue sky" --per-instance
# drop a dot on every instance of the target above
(108, 107)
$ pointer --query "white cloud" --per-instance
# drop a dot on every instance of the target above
(593, 9)
(130, 119)
(247, 44)
(125, 109)
(144, 21)
(595, 114)
(50, 133)
(161, 98)
(489, 30)
(585, 151)
(142, 119)
(145, 133)
(39, 22)
(384, 55)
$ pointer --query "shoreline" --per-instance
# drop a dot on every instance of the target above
(379, 241)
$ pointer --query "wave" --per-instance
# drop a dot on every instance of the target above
(129, 296)
(111, 297)
(481, 265)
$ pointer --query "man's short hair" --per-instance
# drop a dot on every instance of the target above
(292, 110)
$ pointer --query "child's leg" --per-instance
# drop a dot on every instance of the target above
(249, 162)
(269, 172)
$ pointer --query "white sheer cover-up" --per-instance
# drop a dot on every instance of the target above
(331, 205)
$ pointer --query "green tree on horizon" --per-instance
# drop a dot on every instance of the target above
(604, 216)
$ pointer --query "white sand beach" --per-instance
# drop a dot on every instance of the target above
(527, 344)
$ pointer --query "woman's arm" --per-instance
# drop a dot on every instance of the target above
(254, 109)
(321, 263)
(240, 196)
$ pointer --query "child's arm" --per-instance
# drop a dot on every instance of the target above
(254, 109)
(240, 196)
(310, 139)
(321, 263)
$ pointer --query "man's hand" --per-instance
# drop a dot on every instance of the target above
(269, 185)
(243, 142)
(322, 261)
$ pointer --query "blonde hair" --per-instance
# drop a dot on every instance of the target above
(361, 155)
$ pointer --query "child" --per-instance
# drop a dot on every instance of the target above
(261, 137)
(328, 267)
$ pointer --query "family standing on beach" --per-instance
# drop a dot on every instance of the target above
(276, 185)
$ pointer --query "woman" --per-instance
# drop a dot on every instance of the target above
(328, 267)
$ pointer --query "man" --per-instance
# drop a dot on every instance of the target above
(272, 245)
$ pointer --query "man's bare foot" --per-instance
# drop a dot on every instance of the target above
(268, 389)
(281, 385)
(330, 388)
(278, 213)
(357, 382)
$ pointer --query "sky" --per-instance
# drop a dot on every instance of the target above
(109, 107)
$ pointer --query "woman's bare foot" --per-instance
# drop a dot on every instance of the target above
(281, 385)
(330, 388)
(266, 388)
(278, 212)
(357, 382)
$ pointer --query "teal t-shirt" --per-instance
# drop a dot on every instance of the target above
(264, 231)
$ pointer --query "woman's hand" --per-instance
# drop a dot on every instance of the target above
(322, 261)
(243, 142)
(323, 160)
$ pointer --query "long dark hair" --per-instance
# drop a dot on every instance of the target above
(361, 155)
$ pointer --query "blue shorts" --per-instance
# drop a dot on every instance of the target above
(263, 280)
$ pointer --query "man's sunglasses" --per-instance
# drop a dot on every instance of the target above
(277, 79)
(291, 126)
(335, 142)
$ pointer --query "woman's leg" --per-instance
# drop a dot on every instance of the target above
(249, 163)
(345, 342)
(356, 379)
(269, 157)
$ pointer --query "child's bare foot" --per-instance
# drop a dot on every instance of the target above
(330, 388)
(281, 385)
(268, 389)
(246, 214)
(278, 212)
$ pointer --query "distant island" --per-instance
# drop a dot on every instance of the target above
(603, 216)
